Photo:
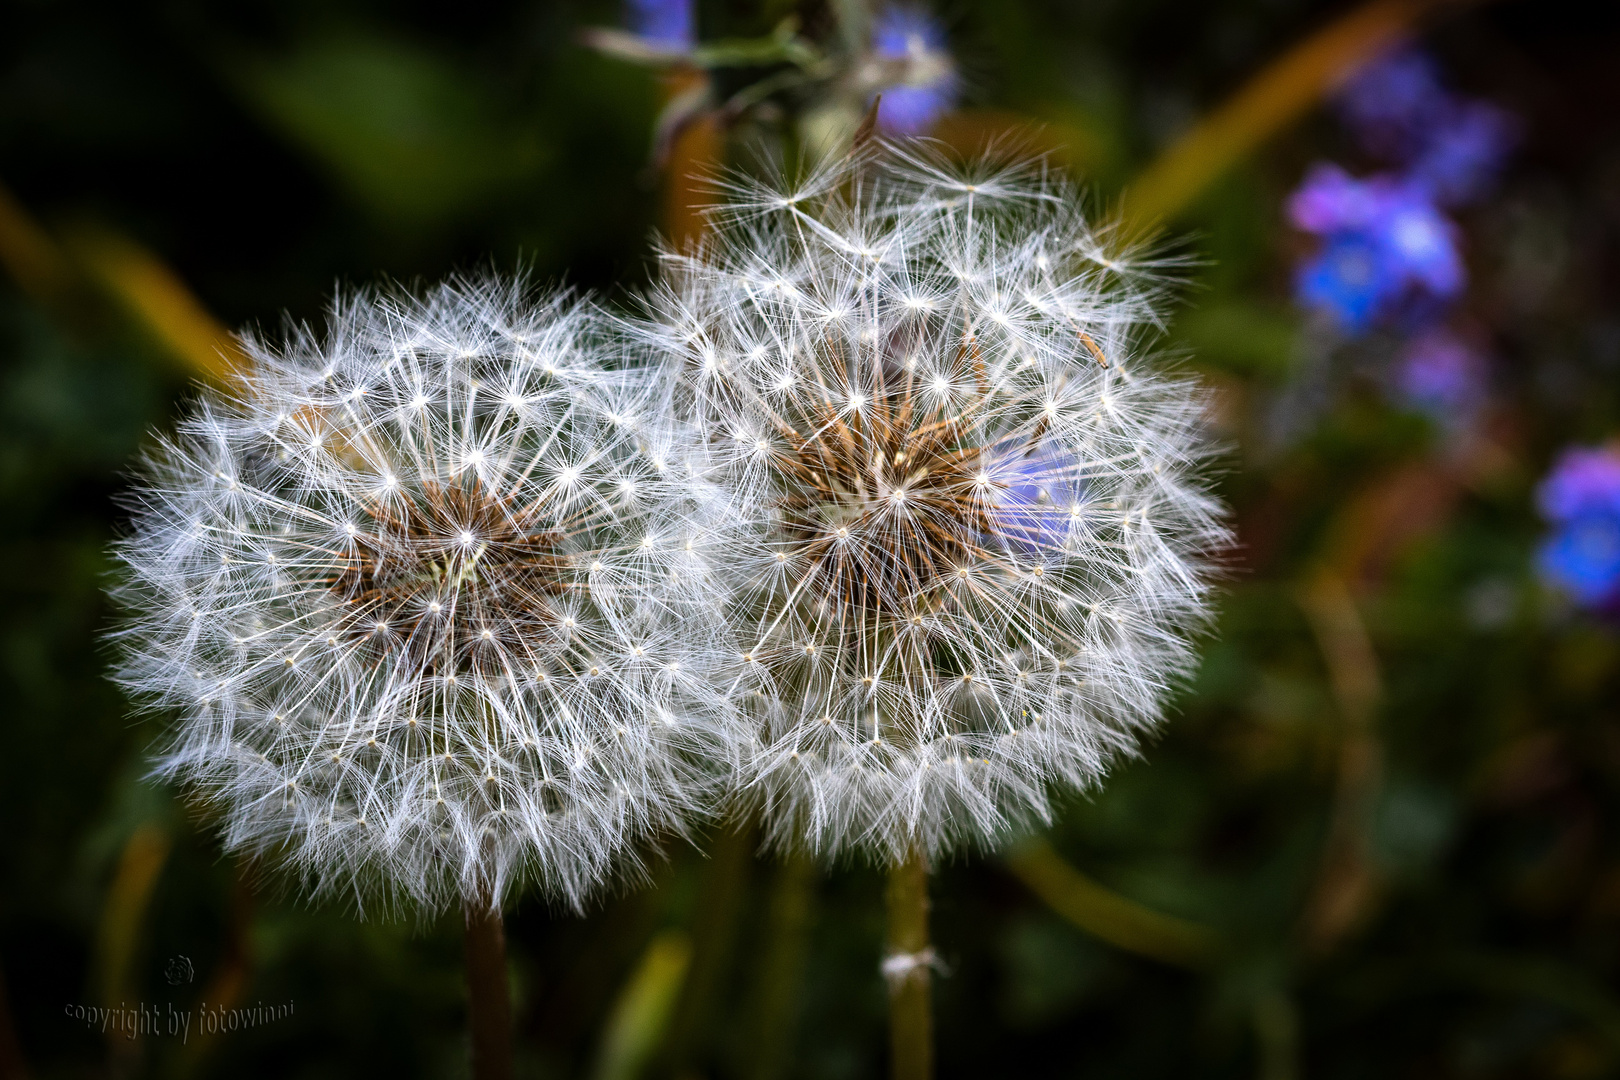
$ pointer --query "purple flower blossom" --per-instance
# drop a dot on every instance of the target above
(671, 23)
(912, 104)
(1581, 497)
(1386, 245)
(1330, 200)
(1399, 111)
(1441, 375)
(1033, 502)
(1583, 480)
(1465, 152)
(1392, 105)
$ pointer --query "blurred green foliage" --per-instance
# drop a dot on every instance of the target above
(374, 111)
(268, 151)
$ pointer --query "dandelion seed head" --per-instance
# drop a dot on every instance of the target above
(411, 688)
(983, 545)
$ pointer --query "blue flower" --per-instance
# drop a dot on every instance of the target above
(1465, 151)
(1583, 557)
(670, 23)
(1033, 501)
(1581, 497)
(1387, 245)
(1349, 279)
(1583, 480)
(928, 86)
(1398, 110)
(1392, 105)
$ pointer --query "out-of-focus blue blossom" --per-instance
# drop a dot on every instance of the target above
(1584, 479)
(1349, 279)
(1034, 499)
(671, 23)
(1581, 497)
(1441, 375)
(1465, 152)
(1398, 110)
(1330, 200)
(1386, 245)
(911, 105)
(1389, 253)
(1392, 105)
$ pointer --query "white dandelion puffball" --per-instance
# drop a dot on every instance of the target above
(431, 596)
(981, 541)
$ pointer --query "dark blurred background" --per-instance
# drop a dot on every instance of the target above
(1390, 799)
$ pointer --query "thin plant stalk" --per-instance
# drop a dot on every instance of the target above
(909, 969)
(781, 972)
(714, 933)
(489, 1007)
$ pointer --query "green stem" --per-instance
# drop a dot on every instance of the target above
(714, 933)
(909, 967)
(781, 970)
(489, 1008)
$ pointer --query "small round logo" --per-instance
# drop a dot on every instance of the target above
(179, 970)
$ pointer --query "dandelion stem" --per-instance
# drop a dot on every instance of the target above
(714, 932)
(909, 968)
(488, 1007)
(781, 971)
